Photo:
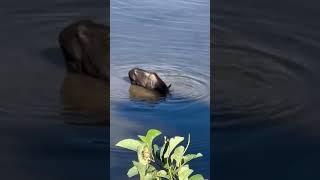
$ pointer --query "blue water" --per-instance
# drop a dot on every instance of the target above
(171, 38)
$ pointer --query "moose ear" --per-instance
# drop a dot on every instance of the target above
(169, 86)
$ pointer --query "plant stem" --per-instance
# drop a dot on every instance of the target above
(170, 174)
(185, 150)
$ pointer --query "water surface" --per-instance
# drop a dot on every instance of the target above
(40, 133)
(265, 114)
(170, 38)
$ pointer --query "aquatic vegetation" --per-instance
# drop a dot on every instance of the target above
(169, 161)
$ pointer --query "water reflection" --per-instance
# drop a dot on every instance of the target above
(84, 95)
(138, 93)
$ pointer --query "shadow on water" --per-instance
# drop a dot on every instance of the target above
(127, 79)
(54, 56)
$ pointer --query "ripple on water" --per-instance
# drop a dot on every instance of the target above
(189, 86)
(255, 85)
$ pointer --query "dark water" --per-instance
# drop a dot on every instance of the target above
(171, 38)
(266, 83)
(40, 108)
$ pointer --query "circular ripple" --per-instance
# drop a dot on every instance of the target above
(188, 85)
(253, 86)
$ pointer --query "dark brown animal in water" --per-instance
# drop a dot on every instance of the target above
(85, 46)
(149, 80)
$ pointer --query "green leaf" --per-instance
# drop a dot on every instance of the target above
(151, 134)
(190, 157)
(173, 142)
(142, 138)
(184, 172)
(130, 144)
(163, 148)
(177, 155)
(171, 155)
(166, 166)
(141, 168)
(148, 176)
(151, 169)
(155, 149)
(196, 177)
(162, 173)
(132, 172)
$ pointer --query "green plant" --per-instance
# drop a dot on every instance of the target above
(166, 162)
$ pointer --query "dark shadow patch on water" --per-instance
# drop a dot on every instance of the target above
(92, 4)
(54, 56)
(126, 78)
(80, 118)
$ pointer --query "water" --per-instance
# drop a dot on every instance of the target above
(171, 38)
(265, 116)
(39, 107)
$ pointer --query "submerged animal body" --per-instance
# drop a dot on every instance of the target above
(149, 80)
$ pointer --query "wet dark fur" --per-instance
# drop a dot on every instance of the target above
(85, 47)
(149, 80)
